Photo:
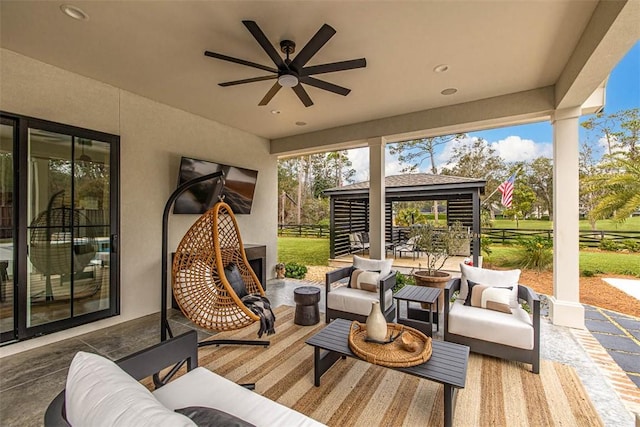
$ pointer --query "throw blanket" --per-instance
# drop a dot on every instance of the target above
(262, 307)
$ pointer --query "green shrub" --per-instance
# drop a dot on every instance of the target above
(485, 245)
(402, 280)
(609, 245)
(535, 253)
(590, 273)
(631, 245)
(294, 270)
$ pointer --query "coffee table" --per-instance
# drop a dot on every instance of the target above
(447, 365)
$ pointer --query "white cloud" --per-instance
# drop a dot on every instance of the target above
(511, 149)
(515, 149)
(360, 162)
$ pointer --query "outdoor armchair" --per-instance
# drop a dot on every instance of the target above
(353, 303)
(511, 334)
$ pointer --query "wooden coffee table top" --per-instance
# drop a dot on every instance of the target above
(448, 363)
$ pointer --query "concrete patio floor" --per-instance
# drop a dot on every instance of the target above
(40, 373)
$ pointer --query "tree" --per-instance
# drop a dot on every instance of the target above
(477, 160)
(539, 177)
(589, 195)
(522, 203)
(303, 180)
(612, 188)
(620, 131)
(620, 192)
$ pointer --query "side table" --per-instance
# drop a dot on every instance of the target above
(419, 319)
(307, 310)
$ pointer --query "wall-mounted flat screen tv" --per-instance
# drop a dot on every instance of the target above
(239, 186)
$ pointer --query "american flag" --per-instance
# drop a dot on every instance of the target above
(506, 188)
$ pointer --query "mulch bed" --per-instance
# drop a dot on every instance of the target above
(593, 291)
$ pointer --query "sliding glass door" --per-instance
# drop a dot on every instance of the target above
(8, 325)
(67, 259)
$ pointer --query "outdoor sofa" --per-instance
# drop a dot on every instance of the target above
(100, 392)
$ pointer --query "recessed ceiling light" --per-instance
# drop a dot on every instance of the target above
(301, 123)
(275, 111)
(449, 91)
(440, 68)
(74, 12)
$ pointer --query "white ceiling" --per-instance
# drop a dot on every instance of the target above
(155, 49)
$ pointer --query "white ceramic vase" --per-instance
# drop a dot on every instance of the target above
(376, 323)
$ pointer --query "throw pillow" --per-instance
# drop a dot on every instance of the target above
(502, 278)
(365, 280)
(490, 297)
(234, 278)
(383, 266)
(204, 416)
(99, 393)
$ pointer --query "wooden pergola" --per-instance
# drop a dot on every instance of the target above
(350, 206)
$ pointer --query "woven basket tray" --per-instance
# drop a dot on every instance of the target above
(393, 354)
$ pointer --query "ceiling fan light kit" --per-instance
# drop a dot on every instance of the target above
(292, 73)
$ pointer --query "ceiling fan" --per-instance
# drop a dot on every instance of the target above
(292, 73)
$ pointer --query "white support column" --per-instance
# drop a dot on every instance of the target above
(376, 198)
(565, 307)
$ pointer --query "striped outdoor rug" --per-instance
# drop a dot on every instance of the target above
(355, 393)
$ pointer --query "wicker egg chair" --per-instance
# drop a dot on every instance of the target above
(199, 284)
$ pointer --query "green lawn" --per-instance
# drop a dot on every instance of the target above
(307, 251)
(631, 224)
(593, 261)
(310, 251)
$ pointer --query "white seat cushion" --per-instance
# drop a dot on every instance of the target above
(201, 387)
(355, 300)
(100, 393)
(515, 330)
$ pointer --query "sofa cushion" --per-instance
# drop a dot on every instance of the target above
(201, 387)
(490, 297)
(502, 278)
(515, 329)
(99, 393)
(365, 280)
(355, 300)
(204, 416)
(381, 265)
(234, 278)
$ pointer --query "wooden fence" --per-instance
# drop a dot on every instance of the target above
(303, 230)
(587, 237)
(497, 235)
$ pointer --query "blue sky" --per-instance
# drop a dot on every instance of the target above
(526, 142)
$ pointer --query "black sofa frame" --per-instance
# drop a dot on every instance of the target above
(493, 349)
(386, 283)
(145, 363)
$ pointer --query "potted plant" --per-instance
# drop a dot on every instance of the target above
(438, 244)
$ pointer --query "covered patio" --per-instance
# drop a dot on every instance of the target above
(136, 70)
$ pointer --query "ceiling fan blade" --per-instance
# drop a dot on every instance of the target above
(272, 92)
(334, 66)
(303, 95)
(257, 33)
(254, 79)
(239, 61)
(313, 46)
(321, 84)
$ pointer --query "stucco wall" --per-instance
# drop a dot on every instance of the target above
(153, 137)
